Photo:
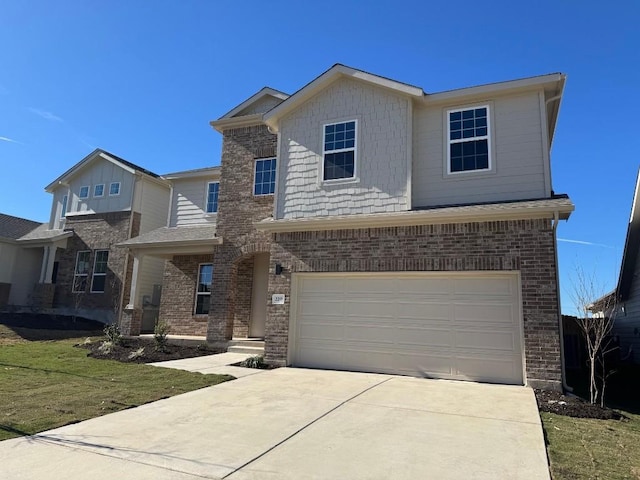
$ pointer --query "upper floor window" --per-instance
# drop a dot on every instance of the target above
(469, 140)
(339, 153)
(99, 271)
(212, 196)
(114, 188)
(98, 190)
(203, 293)
(81, 271)
(63, 213)
(265, 177)
(84, 192)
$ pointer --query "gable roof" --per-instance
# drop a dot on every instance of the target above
(325, 79)
(255, 98)
(96, 154)
(631, 246)
(12, 228)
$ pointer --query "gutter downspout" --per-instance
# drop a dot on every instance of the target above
(566, 387)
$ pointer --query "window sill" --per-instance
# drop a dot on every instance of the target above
(340, 181)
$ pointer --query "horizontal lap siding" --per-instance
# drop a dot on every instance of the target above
(188, 205)
(518, 156)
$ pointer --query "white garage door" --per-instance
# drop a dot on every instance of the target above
(457, 326)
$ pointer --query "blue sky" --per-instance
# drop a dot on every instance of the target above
(142, 79)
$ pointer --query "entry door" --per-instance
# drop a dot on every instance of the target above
(259, 295)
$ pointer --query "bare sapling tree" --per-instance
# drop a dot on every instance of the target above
(596, 317)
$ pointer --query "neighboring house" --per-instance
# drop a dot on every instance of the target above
(627, 320)
(20, 267)
(186, 242)
(100, 201)
(363, 224)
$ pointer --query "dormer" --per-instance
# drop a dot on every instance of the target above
(250, 111)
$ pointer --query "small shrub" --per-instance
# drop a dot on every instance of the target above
(137, 354)
(113, 334)
(106, 347)
(256, 361)
(160, 333)
(202, 347)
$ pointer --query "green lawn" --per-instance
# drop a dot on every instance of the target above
(593, 449)
(47, 384)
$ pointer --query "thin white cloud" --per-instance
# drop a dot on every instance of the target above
(46, 115)
(582, 242)
(10, 140)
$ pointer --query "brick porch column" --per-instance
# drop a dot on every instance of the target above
(221, 310)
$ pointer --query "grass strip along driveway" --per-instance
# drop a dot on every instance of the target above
(47, 384)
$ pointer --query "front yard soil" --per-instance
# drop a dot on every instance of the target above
(141, 350)
(571, 406)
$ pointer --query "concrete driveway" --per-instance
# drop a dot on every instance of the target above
(296, 424)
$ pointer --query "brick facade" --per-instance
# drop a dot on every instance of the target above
(177, 303)
(524, 245)
(97, 232)
(238, 209)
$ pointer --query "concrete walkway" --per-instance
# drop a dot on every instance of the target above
(297, 424)
(220, 364)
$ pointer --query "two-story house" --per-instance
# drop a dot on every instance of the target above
(99, 202)
(404, 232)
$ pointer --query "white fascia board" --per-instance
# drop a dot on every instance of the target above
(117, 163)
(236, 122)
(204, 172)
(264, 92)
(420, 217)
(495, 88)
(272, 117)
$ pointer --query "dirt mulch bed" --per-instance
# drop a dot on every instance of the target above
(570, 406)
(41, 321)
(127, 352)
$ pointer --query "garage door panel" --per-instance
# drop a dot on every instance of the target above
(425, 336)
(494, 314)
(487, 340)
(502, 370)
(325, 306)
(434, 324)
(363, 307)
(420, 286)
(424, 310)
(502, 286)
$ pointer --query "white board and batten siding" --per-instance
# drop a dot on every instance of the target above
(188, 206)
(152, 201)
(462, 326)
(382, 149)
(518, 162)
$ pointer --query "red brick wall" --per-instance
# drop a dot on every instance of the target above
(524, 245)
(96, 232)
(238, 210)
(177, 304)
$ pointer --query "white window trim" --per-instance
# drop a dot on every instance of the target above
(352, 179)
(488, 137)
(195, 303)
(206, 198)
(65, 206)
(119, 187)
(75, 269)
(88, 187)
(93, 272)
(255, 173)
(94, 190)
